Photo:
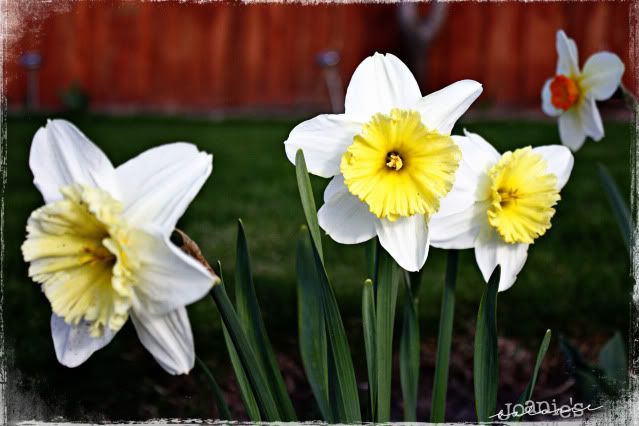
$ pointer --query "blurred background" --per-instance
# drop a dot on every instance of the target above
(235, 79)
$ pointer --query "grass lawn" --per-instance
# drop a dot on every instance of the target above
(576, 280)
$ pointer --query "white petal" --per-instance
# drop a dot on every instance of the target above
(486, 251)
(167, 278)
(571, 131)
(344, 217)
(602, 75)
(159, 184)
(568, 57)
(590, 119)
(478, 156)
(406, 239)
(458, 230)
(73, 344)
(440, 110)
(511, 258)
(380, 83)
(491, 251)
(62, 155)
(477, 153)
(560, 161)
(546, 101)
(168, 338)
(323, 140)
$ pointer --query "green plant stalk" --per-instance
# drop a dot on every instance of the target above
(409, 349)
(386, 297)
(486, 357)
(249, 361)
(368, 324)
(447, 313)
(218, 396)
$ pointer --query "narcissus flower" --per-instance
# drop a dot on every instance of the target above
(390, 156)
(500, 204)
(100, 245)
(571, 93)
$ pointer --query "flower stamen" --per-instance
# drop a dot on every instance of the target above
(394, 161)
(564, 92)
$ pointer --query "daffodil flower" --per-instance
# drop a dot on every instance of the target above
(500, 204)
(100, 245)
(390, 157)
(571, 93)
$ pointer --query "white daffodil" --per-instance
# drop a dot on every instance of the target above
(571, 93)
(100, 245)
(390, 157)
(500, 204)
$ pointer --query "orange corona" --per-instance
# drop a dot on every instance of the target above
(564, 91)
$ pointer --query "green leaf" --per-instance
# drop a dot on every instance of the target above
(248, 310)
(591, 380)
(446, 315)
(409, 348)
(245, 353)
(388, 275)
(308, 200)
(527, 395)
(218, 396)
(368, 323)
(343, 382)
(612, 360)
(618, 205)
(250, 404)
(486, 357)
(312, 329)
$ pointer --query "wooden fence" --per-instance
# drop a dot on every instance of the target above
(227, 55)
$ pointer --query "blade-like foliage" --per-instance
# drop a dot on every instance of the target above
(248, 310)
(486, 358)
(342, 384)
(440, 382)
(612, 360)
(308, 201)
(222, 409)
(619, 207)
(246, 392)
(527, 394)
(312, 329)
(246, 355)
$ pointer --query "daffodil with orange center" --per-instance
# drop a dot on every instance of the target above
(572, 93)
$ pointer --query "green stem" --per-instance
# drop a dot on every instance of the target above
(440, 383)
(629, 98)
(386, 297)
(247, 356)
(222, 409)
